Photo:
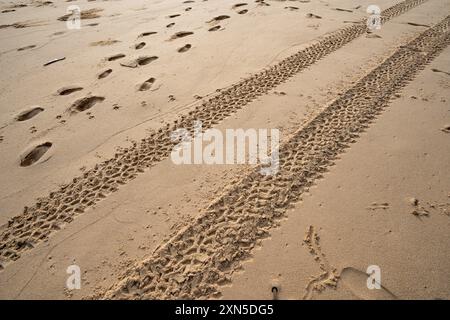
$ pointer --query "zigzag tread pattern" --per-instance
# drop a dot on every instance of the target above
(201, 257)
(52, 212)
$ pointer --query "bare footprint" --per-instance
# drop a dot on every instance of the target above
(185, 48)
(68, 90)
(35, 154)
(104, 74)
(28, 114)
(85, 103)
(146, 85)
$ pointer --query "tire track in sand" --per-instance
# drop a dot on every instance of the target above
(203, 255)
(52, 212)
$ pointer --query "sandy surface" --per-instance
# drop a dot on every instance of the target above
(83, 155)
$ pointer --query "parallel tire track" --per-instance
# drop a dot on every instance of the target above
(50, 213)
(204, 255)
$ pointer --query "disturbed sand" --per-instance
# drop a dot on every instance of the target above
(87, 180)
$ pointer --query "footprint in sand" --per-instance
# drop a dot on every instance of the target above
(417, 24)
(21, 25)
(141, 61)
(181, 34)
(170, 25)
(446, 128)
(373, 36)
(173, 16)
(34, 154)
(28, 114)
(313, 16)
(44, 3)
(378, 206)
(354, 22)
(104, 74)
(26, 48)
(237, 5)
(262, 3)
(20, 5)
(115, 57)
(84, 14)
(68, 90)
(418, 210)
(440, 71)
(146, 34)
(85, 103)
(139, 45)
(185, 48)
(188, 9)
(218, 18)
(344, 10)
(216, 28)
(243, 11)
(291, 8)
(356, 281)
(146, 85)
(104, 43)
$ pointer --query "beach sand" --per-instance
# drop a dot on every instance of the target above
(87, 178)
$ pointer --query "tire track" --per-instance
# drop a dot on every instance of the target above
(203, 255)
(52, 212)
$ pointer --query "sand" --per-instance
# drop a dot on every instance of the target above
(364, 160)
